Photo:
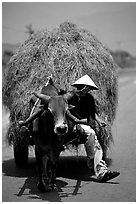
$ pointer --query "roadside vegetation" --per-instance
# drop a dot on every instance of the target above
(124, 59)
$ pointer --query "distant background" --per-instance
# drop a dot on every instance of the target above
(113, 23)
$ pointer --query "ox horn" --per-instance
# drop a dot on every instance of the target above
(44, 98)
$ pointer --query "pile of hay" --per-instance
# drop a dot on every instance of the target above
(67, 52)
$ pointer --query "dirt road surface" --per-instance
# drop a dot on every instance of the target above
(74, 181)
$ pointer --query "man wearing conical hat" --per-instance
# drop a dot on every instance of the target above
(85, 108)
(84, 115)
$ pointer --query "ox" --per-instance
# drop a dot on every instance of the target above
(49, 133)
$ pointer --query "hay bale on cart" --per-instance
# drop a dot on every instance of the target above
(67, 52)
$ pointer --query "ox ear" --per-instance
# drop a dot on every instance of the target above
(42, 97)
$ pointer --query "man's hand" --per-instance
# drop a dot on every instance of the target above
(83, 121)
(82, 136)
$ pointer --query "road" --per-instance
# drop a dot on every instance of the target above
(74, 181)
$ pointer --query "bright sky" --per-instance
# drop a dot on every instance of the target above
(113, 23)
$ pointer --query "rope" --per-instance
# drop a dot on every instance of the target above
(70, 141)
(35, 105)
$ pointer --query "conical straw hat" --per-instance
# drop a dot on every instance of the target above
(85, 80)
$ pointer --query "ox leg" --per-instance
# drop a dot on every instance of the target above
(53, 177)
(39, 161)
(50, 173)
(53, 170)
(47, 173)
(45, 169)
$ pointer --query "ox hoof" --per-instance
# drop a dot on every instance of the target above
(53, 186)
(49, 187)
(41, 187)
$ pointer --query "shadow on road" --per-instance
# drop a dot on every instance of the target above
(31, 184)
(71, 167)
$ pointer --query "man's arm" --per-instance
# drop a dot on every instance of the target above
(76, 120)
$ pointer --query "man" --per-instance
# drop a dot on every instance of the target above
(85, 108)
(84, 114)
